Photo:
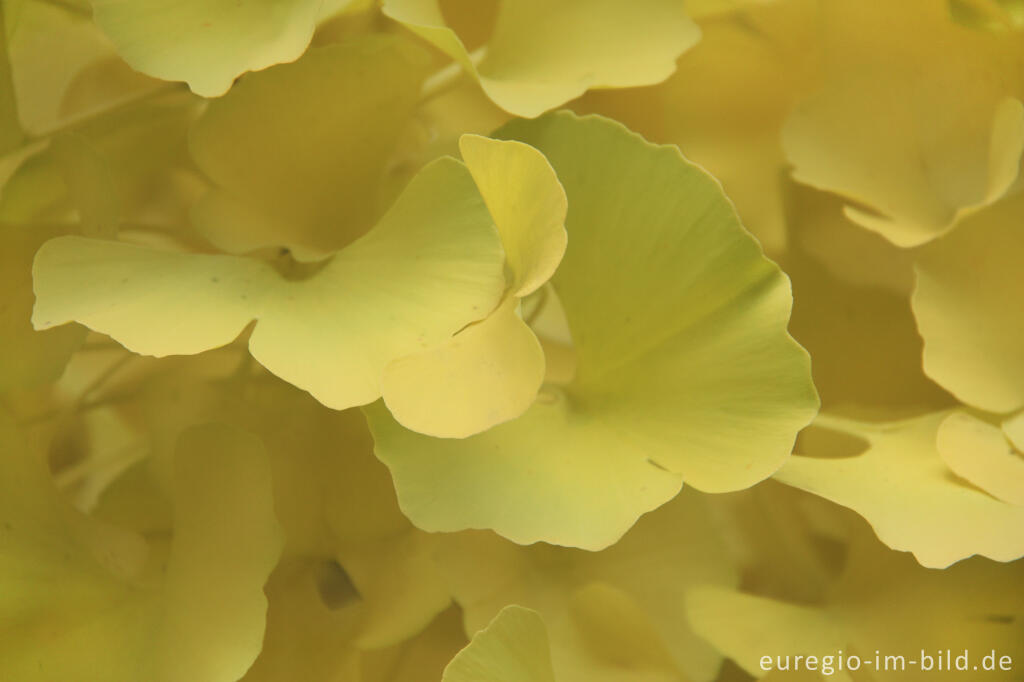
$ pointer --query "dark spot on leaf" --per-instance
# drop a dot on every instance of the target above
(656, 465)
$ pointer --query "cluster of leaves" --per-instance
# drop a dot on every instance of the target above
(376, 342)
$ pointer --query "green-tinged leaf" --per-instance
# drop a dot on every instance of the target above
(297, 154)
(685, 370)
(512, 648)
(431, 265)
(901, 485)
(207, 43)
(84, 608)
(543, 54)
(726, 103)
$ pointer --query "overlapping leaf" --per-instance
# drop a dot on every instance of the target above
(883, 599)
(969, 306)
(207, 43)
(685, 370)
(611, 615)
(86, 602)
(296, 165)
(491, 371)
(917, 122)
(543, 54)
(901, 485)
(430, 266)
(344, 534)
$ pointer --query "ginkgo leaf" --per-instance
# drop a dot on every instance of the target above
(1014, 430)
(611, 615)
(883, 602)
(296, 165)
(11, 134)
(206, 43)
(991, 15)
(104, 172)
(512, 648)
(702, 9)
(969, 308)
(51, 47)
(916, 120)
(527, 203)
(685, 370)
(484, 375)
(490, 372)
(334, 499)
(543, 54)
(430, 266)
(901, 485)
(306, 638)
(726, 103)
(861, 334)
(980, 453)
(27, 357)
(85, 609)
(424, 656)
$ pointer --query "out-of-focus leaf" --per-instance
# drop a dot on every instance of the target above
(543, 54)
(883, 602)
(298, 163)
(335, 501)
(916, 121)
(726, 103)
(685, 370)
(27, 357)
(969, 305)
(610, 615)
(83, 607)
(421, 657)
(10, 127)
(990, 15)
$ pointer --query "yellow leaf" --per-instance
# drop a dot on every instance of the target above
(543, 54)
